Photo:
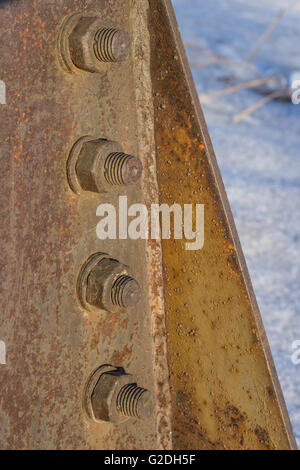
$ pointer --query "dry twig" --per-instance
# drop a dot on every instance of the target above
(239, 117)
(234, 88)
(275, 22)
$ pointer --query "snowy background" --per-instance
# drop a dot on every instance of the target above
(259, 156)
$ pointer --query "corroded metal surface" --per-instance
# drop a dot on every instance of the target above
(225, 392)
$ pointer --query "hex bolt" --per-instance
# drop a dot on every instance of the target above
(97, 165)
(89, 43)
(112, 395)
(106, 284)
(121, 169)
(125, 292)
(111, 45)
(134, 402)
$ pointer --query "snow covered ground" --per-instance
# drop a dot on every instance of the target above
(259, 157)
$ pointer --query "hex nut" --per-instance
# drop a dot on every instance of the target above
(98, 164)
(105, 393)
(88, 43)
(113, 396)
(81, 42)
(90, 164)
(106, 284)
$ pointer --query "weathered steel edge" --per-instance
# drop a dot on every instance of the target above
(146, 132)
(227, 210)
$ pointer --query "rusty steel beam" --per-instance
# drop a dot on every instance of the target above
(84, 320)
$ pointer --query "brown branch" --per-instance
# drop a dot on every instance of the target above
(234, 88)
(239, 117)
(250, 56)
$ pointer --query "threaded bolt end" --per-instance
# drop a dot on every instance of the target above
(111, 45)
(121, 169)
(135, 402)
(125, 292)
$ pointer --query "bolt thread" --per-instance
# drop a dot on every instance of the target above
(128, 400)
(103, 45)
(114, 168)
(118, 289)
